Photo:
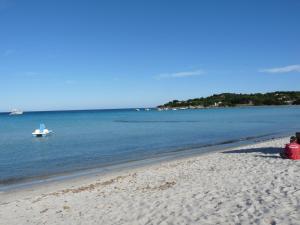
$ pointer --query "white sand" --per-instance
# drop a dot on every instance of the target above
(249, 186)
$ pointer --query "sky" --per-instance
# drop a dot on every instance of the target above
(90, 54)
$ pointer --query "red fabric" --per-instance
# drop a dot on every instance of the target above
(292, 151)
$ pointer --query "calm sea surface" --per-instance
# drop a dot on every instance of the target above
(90, 139)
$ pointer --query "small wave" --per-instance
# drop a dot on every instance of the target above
(10, 181)
(230, 142)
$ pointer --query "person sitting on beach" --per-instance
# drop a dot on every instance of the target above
(293, 139)
(292, 150)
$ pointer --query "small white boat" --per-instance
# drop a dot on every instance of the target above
(42, 131)
(147, 109)
(15, 112)
(137, 110)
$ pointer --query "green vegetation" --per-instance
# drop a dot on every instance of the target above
(231, 99)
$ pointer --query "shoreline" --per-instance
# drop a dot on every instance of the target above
(179, 153)
(249, 184)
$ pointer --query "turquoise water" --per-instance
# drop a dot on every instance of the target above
(99, 138)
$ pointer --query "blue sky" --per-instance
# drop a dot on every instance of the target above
(112, 54)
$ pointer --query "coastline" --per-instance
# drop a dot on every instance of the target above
(144, 135)
(177, 153)
(226, 107)
(246, 184)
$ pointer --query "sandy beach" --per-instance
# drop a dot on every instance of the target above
(244, 185)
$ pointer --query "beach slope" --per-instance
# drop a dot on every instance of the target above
(245, 185)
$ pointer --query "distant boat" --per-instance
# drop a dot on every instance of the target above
(137, 110)
(15, 112)
(147, 109)
(42, 131)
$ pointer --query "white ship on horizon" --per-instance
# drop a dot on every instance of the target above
(15, 112)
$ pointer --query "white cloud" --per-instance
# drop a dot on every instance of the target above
(285, 69)
(180, 74)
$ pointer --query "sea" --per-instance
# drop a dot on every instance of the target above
(93, 139)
